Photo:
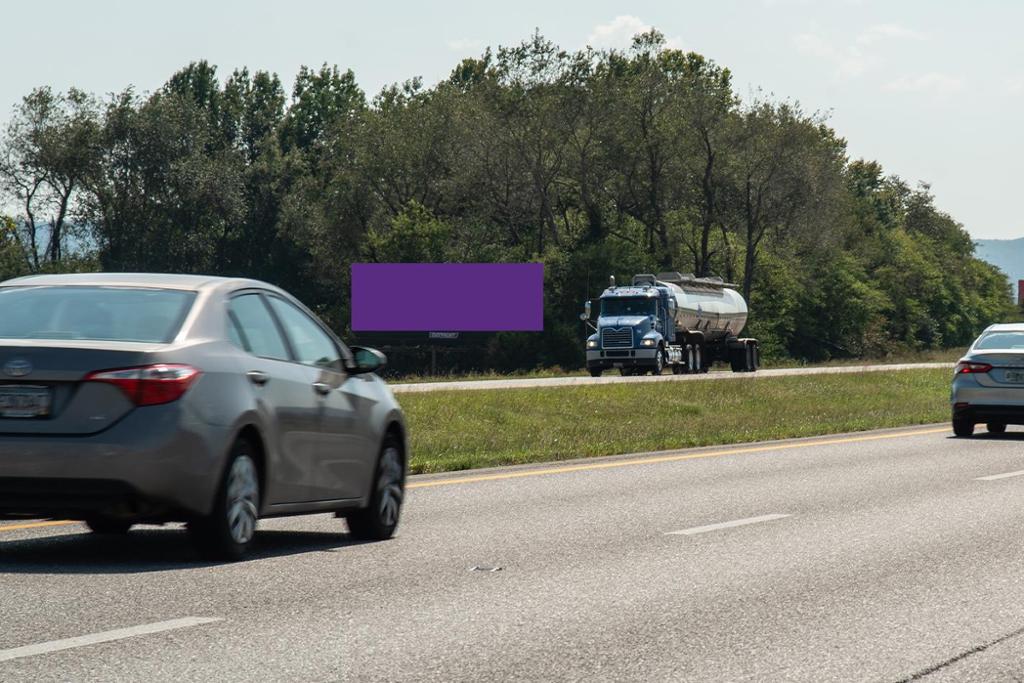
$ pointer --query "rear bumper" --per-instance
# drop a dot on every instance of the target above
(1013, 415)
(621, 358)
(156, 463)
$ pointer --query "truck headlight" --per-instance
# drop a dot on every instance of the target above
(591, 343)
(646, 342)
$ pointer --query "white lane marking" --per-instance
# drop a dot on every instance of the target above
(724, 525)
(1005, 475)
(104, 637)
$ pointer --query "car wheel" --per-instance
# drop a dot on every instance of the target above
(108, 526)
(378, 520)
(996, 427)
(962, 427)
(227, 533)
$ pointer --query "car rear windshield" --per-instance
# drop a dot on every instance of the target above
(1001, 340)
(93, 313)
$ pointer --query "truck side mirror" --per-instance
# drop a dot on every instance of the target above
(585, 315)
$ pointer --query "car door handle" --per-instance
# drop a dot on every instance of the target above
(321, 388)
(257, 377)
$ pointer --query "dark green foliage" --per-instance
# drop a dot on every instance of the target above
(594, 163)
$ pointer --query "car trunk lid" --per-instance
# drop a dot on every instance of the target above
(43, 387)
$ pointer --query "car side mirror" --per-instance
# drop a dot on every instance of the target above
(365, 359)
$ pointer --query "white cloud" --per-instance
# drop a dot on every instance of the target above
(1014, 86)
(618, 33)
(849, 62)
(859, 56)
(466, 45)
(933, 83)
(883, 31)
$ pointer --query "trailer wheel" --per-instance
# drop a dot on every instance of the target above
(595, 372)
(736, 358)
(756, 355)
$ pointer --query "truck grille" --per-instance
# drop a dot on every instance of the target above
(622, 338)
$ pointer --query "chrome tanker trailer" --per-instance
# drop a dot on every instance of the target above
(670, 320)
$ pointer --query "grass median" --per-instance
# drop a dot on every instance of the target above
(457, 430)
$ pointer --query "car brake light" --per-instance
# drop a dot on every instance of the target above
(965, 367)
(149, 385)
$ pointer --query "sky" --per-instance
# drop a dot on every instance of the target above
(932, 89)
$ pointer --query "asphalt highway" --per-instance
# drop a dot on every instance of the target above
(885, 556)
(615, 378)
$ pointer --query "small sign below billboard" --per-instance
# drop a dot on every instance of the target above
(444, 335)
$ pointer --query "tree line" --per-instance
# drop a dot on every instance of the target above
(594, 162)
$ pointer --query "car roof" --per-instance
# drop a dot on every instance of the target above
(1005, 327)
(160, 280)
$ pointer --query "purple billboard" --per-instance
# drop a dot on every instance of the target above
(450, 297)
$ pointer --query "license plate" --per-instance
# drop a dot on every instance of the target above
(24, 401)
(1016, 376)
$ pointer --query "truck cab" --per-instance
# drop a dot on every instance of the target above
(635, 326)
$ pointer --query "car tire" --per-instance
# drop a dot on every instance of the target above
(378, 520)
(996, 427)
(107, 526)
(228, 531)
(962, 427)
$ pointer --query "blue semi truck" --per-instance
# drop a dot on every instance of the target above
(669, 320)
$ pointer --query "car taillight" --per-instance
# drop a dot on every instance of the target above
(149, 385)
(967, 368)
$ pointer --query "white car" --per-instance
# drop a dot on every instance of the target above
(988, 384)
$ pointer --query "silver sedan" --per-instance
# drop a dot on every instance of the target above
(214, 401)
(988, 384)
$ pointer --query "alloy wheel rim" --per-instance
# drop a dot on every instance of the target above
(389, 487)
(243, 500)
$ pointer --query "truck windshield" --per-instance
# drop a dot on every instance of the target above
(628, 306)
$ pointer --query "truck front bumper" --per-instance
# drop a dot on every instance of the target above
(621, 358)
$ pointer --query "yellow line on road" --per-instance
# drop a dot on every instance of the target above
(35, 525)
(669, 458)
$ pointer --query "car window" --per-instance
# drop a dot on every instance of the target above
(1001, 340)
(235, 333)
(257, 327)
(312, 346)
(132, 314)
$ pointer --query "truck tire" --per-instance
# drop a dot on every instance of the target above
(756, 355)
(996, 427)
(659, 361)
(596, 372)
(698, 359)
(736, 358)
(689, 360)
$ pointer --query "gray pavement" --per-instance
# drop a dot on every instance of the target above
(615, 378)
(872, 556)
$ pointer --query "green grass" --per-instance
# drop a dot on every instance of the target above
(944, 356)
(456, 430)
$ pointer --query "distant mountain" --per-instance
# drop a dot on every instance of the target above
(1006, 255)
